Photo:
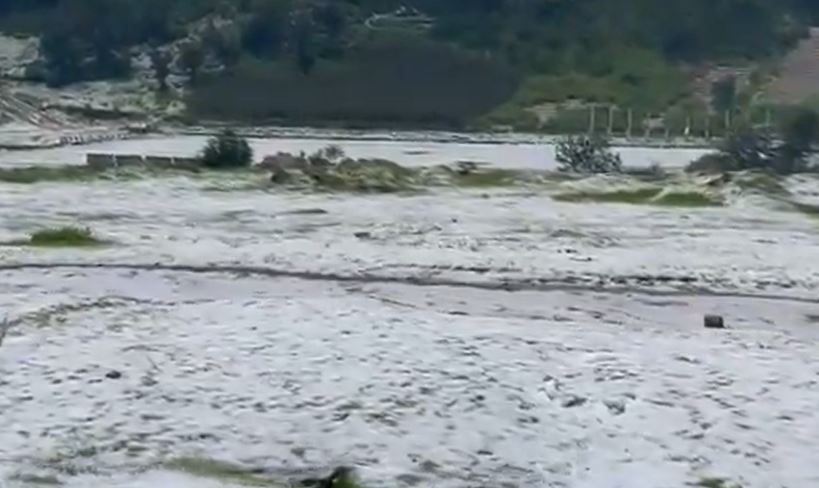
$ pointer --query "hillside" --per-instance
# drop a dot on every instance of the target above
(799, 77)
(529, 65)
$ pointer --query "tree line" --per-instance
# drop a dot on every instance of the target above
(94, 39)
(539, 35)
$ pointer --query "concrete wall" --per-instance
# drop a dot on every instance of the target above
(130, 160)
(159, 162)
(100, 161)
(106, 161)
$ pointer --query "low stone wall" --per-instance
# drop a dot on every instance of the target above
(107, 161)
(100, 161)
(129, 160)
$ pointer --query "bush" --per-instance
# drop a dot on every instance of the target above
(749, 149)
(587, 154)
(227, 150)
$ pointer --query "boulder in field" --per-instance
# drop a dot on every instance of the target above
(714, 322)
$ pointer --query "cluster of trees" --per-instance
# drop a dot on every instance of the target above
(541, 35)
(785, 151)
(92, 39)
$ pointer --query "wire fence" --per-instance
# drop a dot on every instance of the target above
(628, 123)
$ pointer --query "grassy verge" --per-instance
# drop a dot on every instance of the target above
(685, 199)
(637, 196)
(77, 173)
(764, 183)
(36, 174)
(640, 196)
(487, 178)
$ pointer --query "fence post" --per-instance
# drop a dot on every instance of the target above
(611, 120)
(630, 122)
(592, 117)
(707, 126)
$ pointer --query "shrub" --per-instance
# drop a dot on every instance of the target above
(587, 154)
(799, 133)
(227, 150)
(333, 153)
(714, 162)
(749, 149)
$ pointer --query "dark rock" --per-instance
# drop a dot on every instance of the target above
(714, 322)
(363, 235)
(465, 168)
(574, 401)
(113, 375)
(616, 407)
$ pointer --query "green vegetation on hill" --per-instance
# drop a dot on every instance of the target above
(383, 80)
(430, 62)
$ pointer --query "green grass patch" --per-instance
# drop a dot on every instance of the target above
(806, 208)
(715, 483)
(685, 199)
(386, 79)
(38, 480)
(37, 174)
(221, 471)
(60, 237)
(641, 196)
(487, 178)
(79, 173)
(763, 183)
(637, 196)
(624, 77)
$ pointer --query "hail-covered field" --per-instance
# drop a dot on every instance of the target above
(452, 337)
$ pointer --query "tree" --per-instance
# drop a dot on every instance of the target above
(191, 59)
(799, 134)
(63, 59)
(227, 150)
(304, 42)
(332, 17)
(749, 149)
(223, 42)
(723, 94)
(160, 61)
(266, 31)
(587, 155)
